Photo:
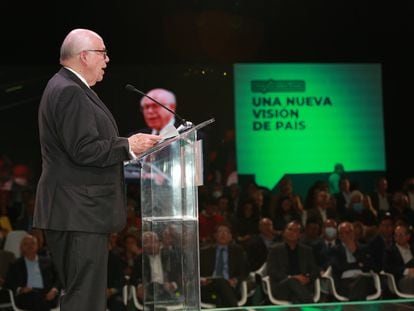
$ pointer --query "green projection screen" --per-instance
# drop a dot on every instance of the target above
(304, 118)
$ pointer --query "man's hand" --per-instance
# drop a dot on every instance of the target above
(25, 290)
(139, 143)
(303, 279)
(51, 294)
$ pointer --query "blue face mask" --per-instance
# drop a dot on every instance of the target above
(358, 207)
(330, 232)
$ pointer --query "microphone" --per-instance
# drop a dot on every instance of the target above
(183, 122)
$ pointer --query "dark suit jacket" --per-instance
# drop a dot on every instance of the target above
(278, 262)
(362, 255)
(324, 254)
(82, 186)
(257, 251)
(115, 272)
(394, 263)
(17, 274)
(237, 262)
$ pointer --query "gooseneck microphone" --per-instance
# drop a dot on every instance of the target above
(132, 88)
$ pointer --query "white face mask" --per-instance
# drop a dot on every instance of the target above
(330, 232)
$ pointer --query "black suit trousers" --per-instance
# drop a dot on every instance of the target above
(81, 260)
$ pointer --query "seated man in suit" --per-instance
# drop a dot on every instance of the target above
(350, 261)
(32, 278)
(323, 248)
(258, 246)
(6, 258)
(116, 280)
(399, 260)
(155, 274)
(291, 267)
(223, 266)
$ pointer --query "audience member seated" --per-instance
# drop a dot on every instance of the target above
(245, 224)
(284, 188)
(114, 244)
(321, 208)
(6, 258)
(223, 266)
(208, 219)
(400, 208)
(291, 267)
(41, 242)
(130, 253)
(22, 185)
(284, 213)
(261, 201)
(154, 275)
(116, 280)
(312, 232)
(399, 259)
(408, 190)
(258, 246)
(381, 197)
(359, 209)
(351, 260)
(382, 241)
(33, 279)
(324, 247)
(5, 183)
(3, 234)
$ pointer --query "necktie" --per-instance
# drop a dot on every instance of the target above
(220, 263)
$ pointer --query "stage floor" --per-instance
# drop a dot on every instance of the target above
(380, 305)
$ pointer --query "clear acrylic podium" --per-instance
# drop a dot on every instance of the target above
(170, 174)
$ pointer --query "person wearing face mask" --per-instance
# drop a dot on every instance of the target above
(324, 246)
(323, 250)
(360, 210)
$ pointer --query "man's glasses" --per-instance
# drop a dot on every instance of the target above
(103, 52)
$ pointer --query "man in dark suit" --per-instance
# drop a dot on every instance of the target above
(350, 260)
(32, 278)
(292, 268)
(258, 246)
(399, 259)
(223, 267)
(80, 197)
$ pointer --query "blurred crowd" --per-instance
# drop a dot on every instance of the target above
(368, 231)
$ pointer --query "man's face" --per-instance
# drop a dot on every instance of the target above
(150, 243)
(401, 236)
(223, 235)
(292, 233)
(96, 60)
(29, 246)
(155, 116)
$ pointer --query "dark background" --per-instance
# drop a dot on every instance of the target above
(190, 46)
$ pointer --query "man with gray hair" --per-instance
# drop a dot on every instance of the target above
(80, 197)
(156, 117)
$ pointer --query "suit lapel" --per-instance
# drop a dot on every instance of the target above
(95, 98)
(91, 94)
